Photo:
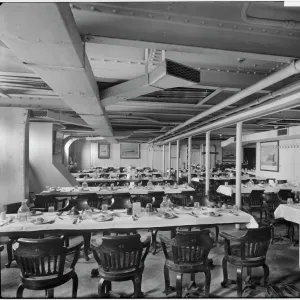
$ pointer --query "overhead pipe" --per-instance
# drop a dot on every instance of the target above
(281, 103)
(122, 117)
(286, 24)
(287, 89)
(284, 73)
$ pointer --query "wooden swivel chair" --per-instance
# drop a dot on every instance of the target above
(249, 252)
(120, 258)
(254, 202)
(187, 253)
(42, 265)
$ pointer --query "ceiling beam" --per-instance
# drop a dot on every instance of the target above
(30, 103)
(182, 48)
(45, 37)
(210, 96)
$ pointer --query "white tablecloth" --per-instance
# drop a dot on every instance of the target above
(122, 220)
(288, 212)
(135, 191)
(230, 190)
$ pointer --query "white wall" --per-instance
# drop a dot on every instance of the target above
(289, 161)
(86, 155)
(43, 169)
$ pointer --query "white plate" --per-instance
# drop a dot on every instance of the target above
(105, 219)
(37, 213)
(168, 216)
(45, 221)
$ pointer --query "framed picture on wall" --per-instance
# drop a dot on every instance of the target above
(129, 150)
(229, 154)
(103, 150)
(269, 156)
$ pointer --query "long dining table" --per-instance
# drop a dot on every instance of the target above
(290, 213)
(72, 191)
(115, 180)
(229, 190)
(65, 224)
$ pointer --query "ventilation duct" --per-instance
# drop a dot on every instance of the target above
(168, 74)
(50, 116)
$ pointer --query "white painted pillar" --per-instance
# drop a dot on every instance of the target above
(177, 160)
(207, 162)
(189, 159)
(238, 169)
(163, 160)
(170, 159)
(201, 148)
(14, 162)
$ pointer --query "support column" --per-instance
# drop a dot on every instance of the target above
(163, 160)
(189, 159)
(238, 168)
(14, 163)
(170, 160)
(177, 160)
(207, 163)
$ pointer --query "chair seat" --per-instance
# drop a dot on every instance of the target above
(4, 240)
(48, 281)
(120, 275)
(185, 267)
(235, 257)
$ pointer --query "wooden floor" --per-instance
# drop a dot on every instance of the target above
(282, 260)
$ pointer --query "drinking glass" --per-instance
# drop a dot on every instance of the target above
(196, 205)
(235, 208)
(47, 188)
(104, 207)
(76, 187)
(51, 209)
(148, 209)
(290, 201)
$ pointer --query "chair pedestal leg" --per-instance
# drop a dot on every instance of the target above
(75, 285)
(224, 283)
(137, 285)
(153, 240)
(207, 282)
(102, 288)
(168, 289)
(9, 254)
(20, 291)
(86, 245)
(50, 294)
(179, 285)
(239, 281)
(266, 274)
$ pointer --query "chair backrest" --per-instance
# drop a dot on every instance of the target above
(41, 257)
(191, 246)
(181, 199)
(272, 201)
(44, 201)
(255, 243)
(119, 201)
(12, 208)
(84, 201)
(284, 194)
(256, 197)
(121, 252)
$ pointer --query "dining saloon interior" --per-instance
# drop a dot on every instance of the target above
(149, 149)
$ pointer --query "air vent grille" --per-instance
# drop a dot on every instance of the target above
(38, 114)
(281, 132)
(182, 71)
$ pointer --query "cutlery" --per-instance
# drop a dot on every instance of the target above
(193, 214)
(75, 221)
(60, 213)
(8, 222)
(236, 214)
(135, 217)
(61, 218)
